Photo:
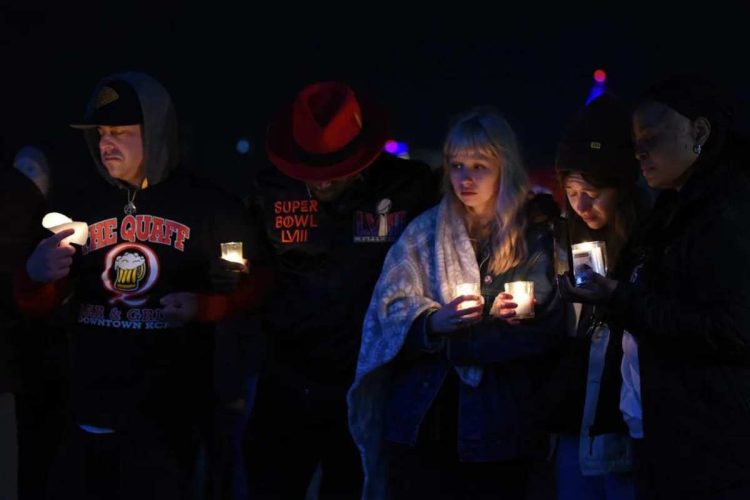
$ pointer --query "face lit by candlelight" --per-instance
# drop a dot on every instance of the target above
(596, 206)
(475, 179)
(121, 152)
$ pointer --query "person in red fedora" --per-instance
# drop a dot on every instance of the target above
(332, 202)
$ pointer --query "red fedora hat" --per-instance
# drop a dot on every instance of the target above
(328, 132)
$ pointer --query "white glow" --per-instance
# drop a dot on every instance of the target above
(57, 222)
(591, 253)
(53, 219)
(232, 251)
(523, 296)
(468, 289)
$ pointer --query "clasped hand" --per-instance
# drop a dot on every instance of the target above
(504, 308)
(596, 290)
(182, 307)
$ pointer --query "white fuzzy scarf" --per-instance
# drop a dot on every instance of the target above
(421, 272)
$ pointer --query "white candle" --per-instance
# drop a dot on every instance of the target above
(467, 289)
(57, 222)
(592, 254)
(232, 252)
(523, 296)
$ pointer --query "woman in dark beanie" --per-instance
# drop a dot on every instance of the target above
(597, 169)
(686, 304)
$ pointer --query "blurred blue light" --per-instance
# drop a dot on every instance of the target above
(596, 91)
(243, 146)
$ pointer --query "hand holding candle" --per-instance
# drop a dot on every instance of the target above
(57, 222)
(463, 311)
(522, 293)
(592, 254)
(225, 272)
(467, 289)
(52, 258)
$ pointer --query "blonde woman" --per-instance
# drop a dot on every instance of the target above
(443, 404)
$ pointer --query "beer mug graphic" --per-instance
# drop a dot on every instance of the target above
(130, 269)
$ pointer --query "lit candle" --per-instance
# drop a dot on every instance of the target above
(57, 222)
(232, 252)
(523, 296)
(592, 254)
(467, 289)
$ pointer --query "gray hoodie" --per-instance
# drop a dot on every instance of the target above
(161, 152)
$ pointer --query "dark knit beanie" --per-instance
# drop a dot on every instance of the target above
(598, 144)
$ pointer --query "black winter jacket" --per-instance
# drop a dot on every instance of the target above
(689, 309)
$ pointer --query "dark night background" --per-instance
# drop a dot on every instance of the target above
(229, 67)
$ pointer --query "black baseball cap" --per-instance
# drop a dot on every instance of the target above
(116, 103)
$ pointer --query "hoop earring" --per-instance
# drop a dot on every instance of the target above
(697, 149)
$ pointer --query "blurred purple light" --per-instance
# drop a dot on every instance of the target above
(391, 146)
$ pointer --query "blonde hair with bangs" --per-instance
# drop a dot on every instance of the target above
(484, 130)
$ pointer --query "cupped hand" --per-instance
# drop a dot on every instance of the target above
(51, 259)
(455, 315)
(597, 290)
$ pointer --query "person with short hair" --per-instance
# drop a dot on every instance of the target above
(142, 299)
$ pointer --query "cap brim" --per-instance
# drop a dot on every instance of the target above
(86, 126)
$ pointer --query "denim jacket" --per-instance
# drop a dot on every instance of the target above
(499, 419)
